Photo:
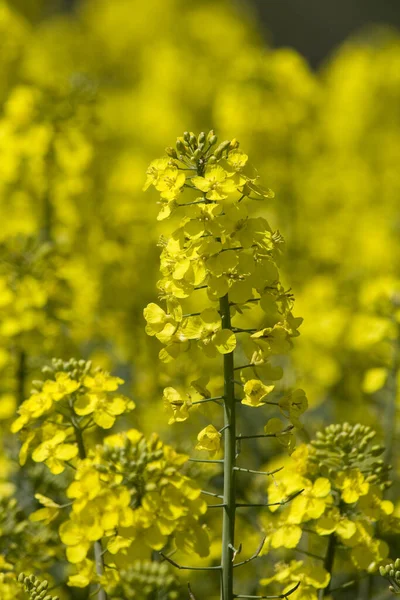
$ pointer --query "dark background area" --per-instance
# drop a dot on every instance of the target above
(316, 27)
(313, 27)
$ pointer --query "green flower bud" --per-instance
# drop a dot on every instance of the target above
(186, 136)
(171, 152)
(180, 146)
(223, 146)
(202, 138)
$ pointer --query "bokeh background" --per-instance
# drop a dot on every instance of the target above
(92, 91)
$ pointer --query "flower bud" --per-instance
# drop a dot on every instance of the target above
(202, 138)
(43, 586)
(180, 146)
(223, 146)
(171, 152)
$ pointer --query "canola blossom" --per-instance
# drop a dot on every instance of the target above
(79, 262)
(218, 264)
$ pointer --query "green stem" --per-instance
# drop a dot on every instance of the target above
(229, 494)
(328, 564)
(98, 550)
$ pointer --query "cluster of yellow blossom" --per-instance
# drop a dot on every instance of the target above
(75, 399)
(128, 490)
(342, 483)
(219, 250)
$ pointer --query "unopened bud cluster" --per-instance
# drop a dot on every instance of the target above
(151, 578)
(75, 368)
(134, 460)
(342, 447)
(37, 590)
(391, 572)
(200, 149)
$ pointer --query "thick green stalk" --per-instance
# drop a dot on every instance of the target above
(328, 564)
(98, 551)
(228, 524)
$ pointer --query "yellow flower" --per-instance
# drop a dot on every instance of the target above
(352, 484)
(53, 452)
(174, 403)
(85, 574)
(311, 503)
(102, 382)
(47, 514)
(237, 159)
(78, 535)
(155, 170)
(61, 387)
(31, 409)
(332, 521)
(161, 324)
(170, 183)
(216, 183)
(103, 407)
(256, 392)
(293, 405)
(209, 439)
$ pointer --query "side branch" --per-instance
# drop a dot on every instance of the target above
(281, 503)
(270, 597)
(253, 557)
(258, 472)
(185, 568)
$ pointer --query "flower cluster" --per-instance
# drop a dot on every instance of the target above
(391, 572)
(129, 489)
(220, 251)
(74, 398)
(151, 578)
(37, 590)
(342, 484)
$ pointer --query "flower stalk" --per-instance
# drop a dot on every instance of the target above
(229, 494)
